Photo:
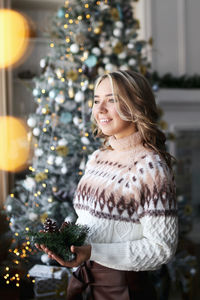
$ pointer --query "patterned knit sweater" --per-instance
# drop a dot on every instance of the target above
(127, 199)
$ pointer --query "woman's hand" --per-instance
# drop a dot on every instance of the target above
(83, 253)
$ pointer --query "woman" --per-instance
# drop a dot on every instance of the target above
(126, 196)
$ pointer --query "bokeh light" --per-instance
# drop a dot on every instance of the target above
(14, 33)
(14, 144)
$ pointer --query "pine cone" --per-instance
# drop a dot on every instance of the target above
(50, 226)
(64, 224)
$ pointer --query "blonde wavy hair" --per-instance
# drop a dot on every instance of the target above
(135, 102)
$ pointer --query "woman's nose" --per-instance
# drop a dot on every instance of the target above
(102, 107)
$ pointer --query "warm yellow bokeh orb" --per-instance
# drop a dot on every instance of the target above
(14, 144)
(14, 33)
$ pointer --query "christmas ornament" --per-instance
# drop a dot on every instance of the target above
(50, 159)
(32, 216)
(50, 226)
(74, 48)
(60, 98)
(132, 62)
(31, 122)
(53, 93)
(117, 32)
(61, 13)
(73, 75)
(36, 92)
(62, 142)
(62, 150)
(36, 131)
(43, 63)
(118, 48)
(91, 61)
(65, 117)
(76, 121)
(96, 51)
(29, 183)
(9, 208)
(40, 176)
(45, 258)
(58, 160)
(64, 170)
(79, 97)
(106, 60)
(38, 152)
(122, 55)
(50, 80)
(85, 140)
(119, 24)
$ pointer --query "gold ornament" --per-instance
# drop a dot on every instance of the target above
(97, 30)
(43, 217)
(163, 124)
(40, 176)
(62, 150)
(73, 75)
(54, 189)
(115, 14)
(118, 48)
(143, 69)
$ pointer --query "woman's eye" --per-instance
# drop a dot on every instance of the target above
(95, 102)
(111, 100)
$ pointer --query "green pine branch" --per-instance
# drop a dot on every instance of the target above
(61, 240)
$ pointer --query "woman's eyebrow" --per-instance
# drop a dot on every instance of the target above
(108, 95)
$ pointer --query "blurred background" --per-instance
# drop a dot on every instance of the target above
(51, 53)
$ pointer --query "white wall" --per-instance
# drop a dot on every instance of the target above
(175, 28)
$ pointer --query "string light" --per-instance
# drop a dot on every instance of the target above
(79, 18)
(66, 26)
(71, 21)
(46, 170)
(52, 148)
(12, 195)
(43, 91)
(44, 129)
(47, 121)
(86, 5)
(16, 234)
(67, 39)
(44, 185)
(66, 16)
(39, 100)
(52, 45)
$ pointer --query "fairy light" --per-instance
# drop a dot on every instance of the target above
(7, 268)
(39, 100)
(28, 275)
(66, 16)
(88, 16)
(67, 39)
(35, 194)
(52, 45)
(44, 185)
(80, 173)
(35, 145)
(27, 228)
(71, 21)
(46, 170)
(77, 21)
(12, 195)
(66, 26)
(44, 129)
(7, 282)
(98, 3)
(79, 18)
(16, 234)
(86, 134)
(86, 5)
(43, 91)
(84, 147)
(89, 29)
(47, 121)
(39, 193)
(62, 79)
(80, 70)
(52, 148)
(28, 243)
(33, 280)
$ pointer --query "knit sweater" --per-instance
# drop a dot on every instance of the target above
(127, 199)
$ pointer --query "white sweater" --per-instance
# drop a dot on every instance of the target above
(127, 199)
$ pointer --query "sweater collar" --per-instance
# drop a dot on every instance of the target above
(125, 143)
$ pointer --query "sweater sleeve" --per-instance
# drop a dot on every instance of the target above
(156, 209)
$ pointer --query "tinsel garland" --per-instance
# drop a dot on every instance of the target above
(60, 240)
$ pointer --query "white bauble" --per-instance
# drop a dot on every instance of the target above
(96, 51)
(130, 46)
(123, 67)
(117, 32)
(79, 97)
(76, 121)
(29, 183)
(85, 140)
(82, 165)
(108, 50)
(59, 72)
(106, 60)
(32, 216)
(50, 80)
(58, 160)
(128, 31)
(102, 44)
(132, 62)
(31, 122)
(101, 71)
(122, 55)
(74, 48)
(119, 24)
(64, 170)
(9, 208)
(50, 159)
(36, 131)
(110, 67)
(114, 41)
(38, 152)
(62, 142)
(42, 63)
(45, 259)
(70, 83)
(85, 85)
(60, 98)
(80, 126)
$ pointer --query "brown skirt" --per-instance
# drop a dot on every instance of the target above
(92, 281)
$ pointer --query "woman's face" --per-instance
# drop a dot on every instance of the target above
(105, 113)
